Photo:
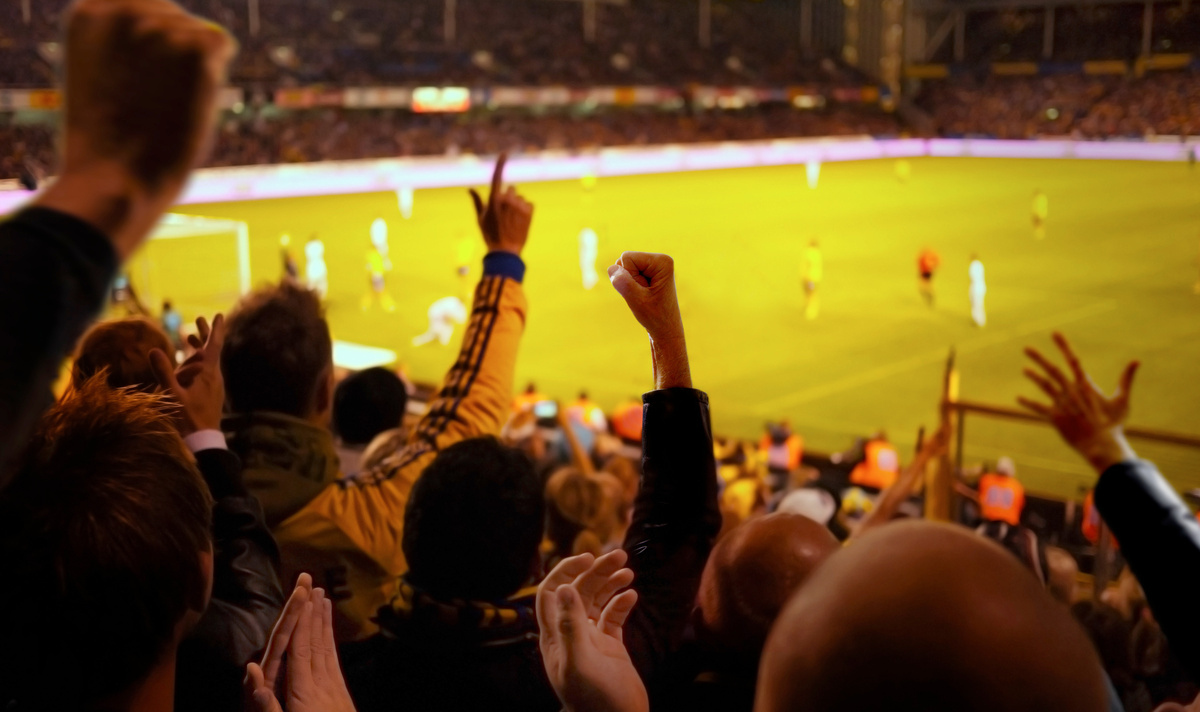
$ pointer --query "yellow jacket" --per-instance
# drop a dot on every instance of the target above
(349, 535)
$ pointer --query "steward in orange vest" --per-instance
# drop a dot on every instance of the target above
(880, 465)
(1001, 495)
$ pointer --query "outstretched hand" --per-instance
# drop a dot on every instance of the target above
(505, 219)
(197, 385)
(581, 635)
(1091, 422)
(142, 82)
(314, 680)
(647, 283)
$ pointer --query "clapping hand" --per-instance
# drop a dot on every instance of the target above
(314, 680)
(505, 219)
(581, 635)
(1090, 421)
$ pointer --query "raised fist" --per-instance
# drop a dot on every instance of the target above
(142, 82)
(647, 282)
(505, 219)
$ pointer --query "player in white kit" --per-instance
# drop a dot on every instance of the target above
(813, 171)
(588, 251)
(443, 315)
(315, 272)
(978, 291)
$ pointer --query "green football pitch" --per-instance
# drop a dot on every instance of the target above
(1115, 272)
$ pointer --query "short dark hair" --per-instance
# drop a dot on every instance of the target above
(101, 534)
(122, 348)
(277, 348)
(474, 522)
(367, 403)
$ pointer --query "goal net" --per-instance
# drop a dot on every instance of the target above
(202, 265)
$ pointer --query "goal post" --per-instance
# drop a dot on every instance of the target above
(200, 264)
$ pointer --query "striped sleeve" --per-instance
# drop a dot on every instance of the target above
(475, 396)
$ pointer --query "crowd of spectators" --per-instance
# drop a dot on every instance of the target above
(1093, 107)
(321, 135)
(488, 554)
(530, 42)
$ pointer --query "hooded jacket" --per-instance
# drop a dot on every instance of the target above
(346, 532)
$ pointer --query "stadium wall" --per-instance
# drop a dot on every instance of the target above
(218, 185)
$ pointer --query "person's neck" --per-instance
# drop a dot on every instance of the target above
(155, 693)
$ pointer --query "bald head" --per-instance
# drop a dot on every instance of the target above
(927, 616)
(751, 574)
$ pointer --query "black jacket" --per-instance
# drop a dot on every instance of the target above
(246, 599)
(426, 665)
(55, 271)
(1160, 538)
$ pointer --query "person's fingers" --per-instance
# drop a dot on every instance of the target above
(165, 371)
(593, 580)
(317, 629)
(1126, 382)
(261, 698)
(332, 667)
(571, 622)
(498, 178)
(1069, 354)
(1054, 371)
(624, 282)
(621, 579)
(564, 573)
(202, 329)
(300, 652)
(304, 580)
(216, 340)
(612, 620)
(478, 203)
(639, 267)
(1047, 387)
(1036, 407)
(282, 634)
(195, 342)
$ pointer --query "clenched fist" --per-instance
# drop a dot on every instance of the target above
(647, 282)
(505, 219)
(142, 82)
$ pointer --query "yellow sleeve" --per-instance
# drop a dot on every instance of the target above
(474, 401)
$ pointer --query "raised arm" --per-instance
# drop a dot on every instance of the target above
(475, 396)
(1159, 536)
(675, 519)
(142, 79)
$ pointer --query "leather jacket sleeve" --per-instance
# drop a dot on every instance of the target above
(675, 522)
(1160, 538)
(247, 596)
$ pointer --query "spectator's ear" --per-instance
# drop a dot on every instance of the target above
(323, 405)
(199, 597)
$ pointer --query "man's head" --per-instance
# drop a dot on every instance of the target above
(123, 348)
(927, 616)
(1005, 466)
(105, 535)
(751, 574)
(278, 354)
(473, 522)
(367, 403)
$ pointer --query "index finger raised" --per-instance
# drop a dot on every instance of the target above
(498, 176)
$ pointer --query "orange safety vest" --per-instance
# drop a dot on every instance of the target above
(785, 455)
(880, 467)
(1001, 498)
(627, 421)
(586, 413)
(1091, 522)
(525, 401)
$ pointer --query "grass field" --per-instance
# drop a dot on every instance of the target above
(1115, 273)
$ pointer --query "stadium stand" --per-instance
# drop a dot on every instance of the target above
(151, 524)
